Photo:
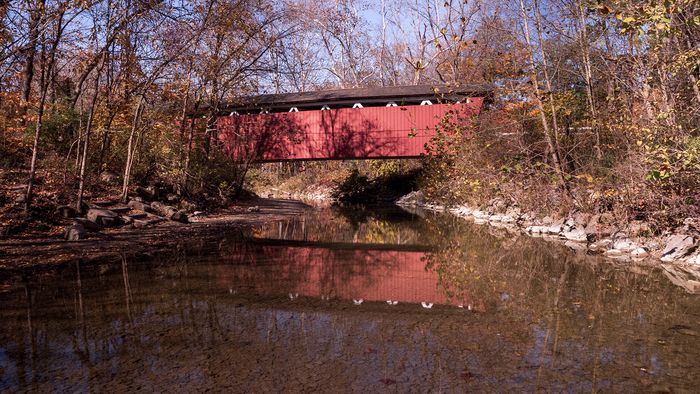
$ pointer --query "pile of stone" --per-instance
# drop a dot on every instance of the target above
(597, 233)
(138, 212)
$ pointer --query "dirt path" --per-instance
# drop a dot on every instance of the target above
(22, 253)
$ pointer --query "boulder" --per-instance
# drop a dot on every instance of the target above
(88, 225)
(536, 229)
(624, 245)
(601, 225)
(602, 244)
(162, 209)
(554, 229)
(139, 206)
(678, 246)
(103, 217)
(66, 211)
(508, 219)
(120, 209)
(109, 177)
(179, 216)
(412, 198)
(172, 198)
(75, 232)
(581, 219)
(640, 253)
(576, 235)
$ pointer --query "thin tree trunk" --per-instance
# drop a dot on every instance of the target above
(36, 16)
(86, 142)
(188, 150)
(540, 106)
(548, 83)
(131, 148)
(588, 76)
(35, 149)
(44, 85)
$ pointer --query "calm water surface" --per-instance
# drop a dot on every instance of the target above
(351, 300)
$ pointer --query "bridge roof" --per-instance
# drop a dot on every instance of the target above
(399, 94)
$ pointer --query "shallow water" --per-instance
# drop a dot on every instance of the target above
(350, 300)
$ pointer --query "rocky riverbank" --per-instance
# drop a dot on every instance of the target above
(594, 233)
(109, 228)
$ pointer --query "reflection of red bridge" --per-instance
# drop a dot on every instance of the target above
(389, 122)
(367, 272)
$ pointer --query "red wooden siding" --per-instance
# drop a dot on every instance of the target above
(346, 133)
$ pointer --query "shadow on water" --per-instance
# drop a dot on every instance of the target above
(342, 302)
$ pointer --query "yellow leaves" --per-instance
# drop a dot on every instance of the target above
(586, 177)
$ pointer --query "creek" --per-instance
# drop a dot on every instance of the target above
(358, 299)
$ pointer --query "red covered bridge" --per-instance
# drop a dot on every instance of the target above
(386, 122)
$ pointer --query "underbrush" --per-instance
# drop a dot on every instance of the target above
(500, 158)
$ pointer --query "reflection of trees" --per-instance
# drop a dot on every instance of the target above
(575, 304)
(338, 225)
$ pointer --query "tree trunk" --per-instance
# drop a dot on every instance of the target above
(131, 148)
(86, 142)
(36, 17)
(588, 76)
(540, 105)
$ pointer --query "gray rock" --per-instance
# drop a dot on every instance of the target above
(103, 217)
(678, 246)
(412, 198)
(536, 229)
(109, 177)
(602, 244)
(163, 209)
(120, 209)
(75, 232)
(179, 216)
(139, 206)
(508, 219)
(581, 219)
(624, 245)
(640, 252)
(614, 253)
(576, 235)
(601, 225)
(88, 225)
(172, 198)
(554, 229)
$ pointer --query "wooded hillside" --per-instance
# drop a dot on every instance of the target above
(597, 103)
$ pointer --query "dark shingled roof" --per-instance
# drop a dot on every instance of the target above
(394, 93)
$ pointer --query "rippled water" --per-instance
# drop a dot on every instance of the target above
(350, 300)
